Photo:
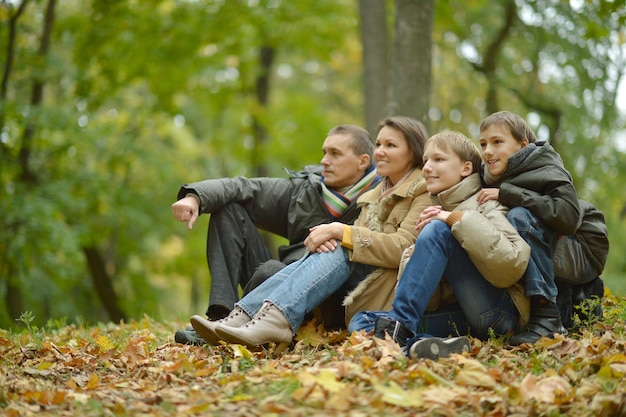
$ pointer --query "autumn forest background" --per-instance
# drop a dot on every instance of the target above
(107, 107)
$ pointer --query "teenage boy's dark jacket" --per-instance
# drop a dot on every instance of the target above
(589, 248)
(287, 207)
(537, 180)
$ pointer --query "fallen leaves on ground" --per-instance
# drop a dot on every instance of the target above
(136, 369)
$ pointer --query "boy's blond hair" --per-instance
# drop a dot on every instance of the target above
(459, 144)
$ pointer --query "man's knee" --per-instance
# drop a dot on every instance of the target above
(262, 273)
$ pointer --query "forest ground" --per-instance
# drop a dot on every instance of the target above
(136, 369)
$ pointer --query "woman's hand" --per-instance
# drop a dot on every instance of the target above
(487, 194)
(323, 238)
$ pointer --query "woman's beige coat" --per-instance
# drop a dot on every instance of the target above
(384, 229)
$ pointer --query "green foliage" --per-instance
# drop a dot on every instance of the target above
(36, 333)
(140, 97)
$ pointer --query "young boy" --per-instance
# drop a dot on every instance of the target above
(478, 251)
(529, 177)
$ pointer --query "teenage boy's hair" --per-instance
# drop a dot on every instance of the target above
(517, 126)
(457, 143)
(361, 142)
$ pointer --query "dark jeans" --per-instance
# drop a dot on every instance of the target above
(235, 249)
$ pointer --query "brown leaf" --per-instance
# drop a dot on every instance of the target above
(547, 390)
(311, 334)
(475, 378)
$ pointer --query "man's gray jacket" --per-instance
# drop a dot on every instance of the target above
(287, 207)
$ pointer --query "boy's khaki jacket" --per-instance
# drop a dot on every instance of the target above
(384, 229)
(494, 246)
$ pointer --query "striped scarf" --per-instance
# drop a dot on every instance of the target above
(336, 203)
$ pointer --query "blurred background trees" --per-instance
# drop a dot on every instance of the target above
(107, 107)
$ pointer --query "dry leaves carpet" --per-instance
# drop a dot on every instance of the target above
(136, 369)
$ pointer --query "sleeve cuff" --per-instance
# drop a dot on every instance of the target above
(193, 195)
(454, 217)
(346, 242)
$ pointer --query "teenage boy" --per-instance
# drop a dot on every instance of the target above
(528, 176)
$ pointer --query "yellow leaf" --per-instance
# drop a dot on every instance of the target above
(311, 334)
(72, 384)
(616, 357)
(240, 351)
(104, 343)
(326, 378)
(241, 397)
(396, 395)
(44, 365)
(94, 382)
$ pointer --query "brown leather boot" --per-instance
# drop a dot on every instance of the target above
(206, 328)
(268, 325)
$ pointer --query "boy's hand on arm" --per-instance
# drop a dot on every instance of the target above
(187, 210)
(323, 238)
(487, 194)
(429, 214)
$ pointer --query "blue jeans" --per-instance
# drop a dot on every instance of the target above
(437, 253)
(539, 276)
(301, 286)
(445, 321)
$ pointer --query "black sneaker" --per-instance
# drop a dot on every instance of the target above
(393, 328)
(437, 347)
(188, 336)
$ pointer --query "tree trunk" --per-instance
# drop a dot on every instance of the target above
(266, 58)
(412, 59)
(26, 172)
(375, 42)
(13, 297)
(26, 178)
(102, 283)
(10, 55)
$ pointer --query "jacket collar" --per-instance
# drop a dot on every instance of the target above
(408, 187)
(449, 199)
